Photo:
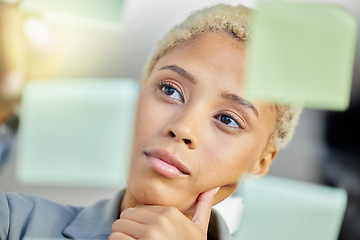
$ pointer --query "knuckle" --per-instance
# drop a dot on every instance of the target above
(114, 236)
(126, 212)
(151, 233)
(171, 211)
(115, 225)
(162, 220)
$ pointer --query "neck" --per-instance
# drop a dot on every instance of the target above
(128, 201)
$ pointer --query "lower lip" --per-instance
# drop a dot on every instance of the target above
(164, 168)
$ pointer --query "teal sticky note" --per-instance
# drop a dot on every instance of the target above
(76, 132)
(282, 209)
(302, 53)
(104, 10)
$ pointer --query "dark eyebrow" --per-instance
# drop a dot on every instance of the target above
(182, 72)
(241, 101)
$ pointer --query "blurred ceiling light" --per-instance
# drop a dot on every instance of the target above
(40, 34)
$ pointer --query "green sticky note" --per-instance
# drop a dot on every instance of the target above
(105, 10)
(302, 53)
(76, 132)
(282, 209)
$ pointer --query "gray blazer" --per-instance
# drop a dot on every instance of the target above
(31, 216)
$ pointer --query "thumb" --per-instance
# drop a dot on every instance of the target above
(203, 209)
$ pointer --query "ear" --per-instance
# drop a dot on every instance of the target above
(262, 165)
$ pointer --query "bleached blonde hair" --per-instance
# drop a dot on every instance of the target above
(234, 21)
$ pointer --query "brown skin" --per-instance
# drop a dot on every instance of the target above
(216, 137)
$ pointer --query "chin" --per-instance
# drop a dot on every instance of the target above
(162, 195)
(152, 193)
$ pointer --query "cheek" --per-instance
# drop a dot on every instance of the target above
(227, 160)
(145, 116)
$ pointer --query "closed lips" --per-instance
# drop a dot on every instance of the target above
(168, 158)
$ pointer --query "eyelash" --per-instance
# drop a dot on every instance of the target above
(232, 116)
(163, 84)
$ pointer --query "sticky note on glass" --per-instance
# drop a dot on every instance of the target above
(76, 132)
(104, 10)
(282, 209)
(302, 53)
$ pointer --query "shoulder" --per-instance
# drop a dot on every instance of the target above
(25, 213)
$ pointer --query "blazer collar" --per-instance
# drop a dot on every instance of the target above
(95, 221)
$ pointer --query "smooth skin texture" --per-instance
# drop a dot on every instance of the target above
(192, 107)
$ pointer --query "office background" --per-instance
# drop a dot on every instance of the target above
(119, 50)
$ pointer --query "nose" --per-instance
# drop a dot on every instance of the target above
(183, 130)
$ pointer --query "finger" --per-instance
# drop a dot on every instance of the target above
(142, 214)
(203, 208)
(120, 236)
(152, 208)
(128, 227)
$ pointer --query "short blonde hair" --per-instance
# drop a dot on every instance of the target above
(234, 21)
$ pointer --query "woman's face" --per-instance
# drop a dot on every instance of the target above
(194, 130)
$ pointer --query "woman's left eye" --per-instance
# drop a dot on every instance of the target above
(228, 120)
(171, 91)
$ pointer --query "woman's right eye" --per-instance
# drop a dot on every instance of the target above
(170, 90)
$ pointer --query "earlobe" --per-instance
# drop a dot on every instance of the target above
(262, 166)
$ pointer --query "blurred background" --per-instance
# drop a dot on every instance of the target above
(41, 40)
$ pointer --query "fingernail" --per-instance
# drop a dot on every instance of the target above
(217, 189)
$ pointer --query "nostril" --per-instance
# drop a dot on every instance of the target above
(172, 134)
(187, 141)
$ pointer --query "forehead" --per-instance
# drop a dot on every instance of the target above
(213, 58)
